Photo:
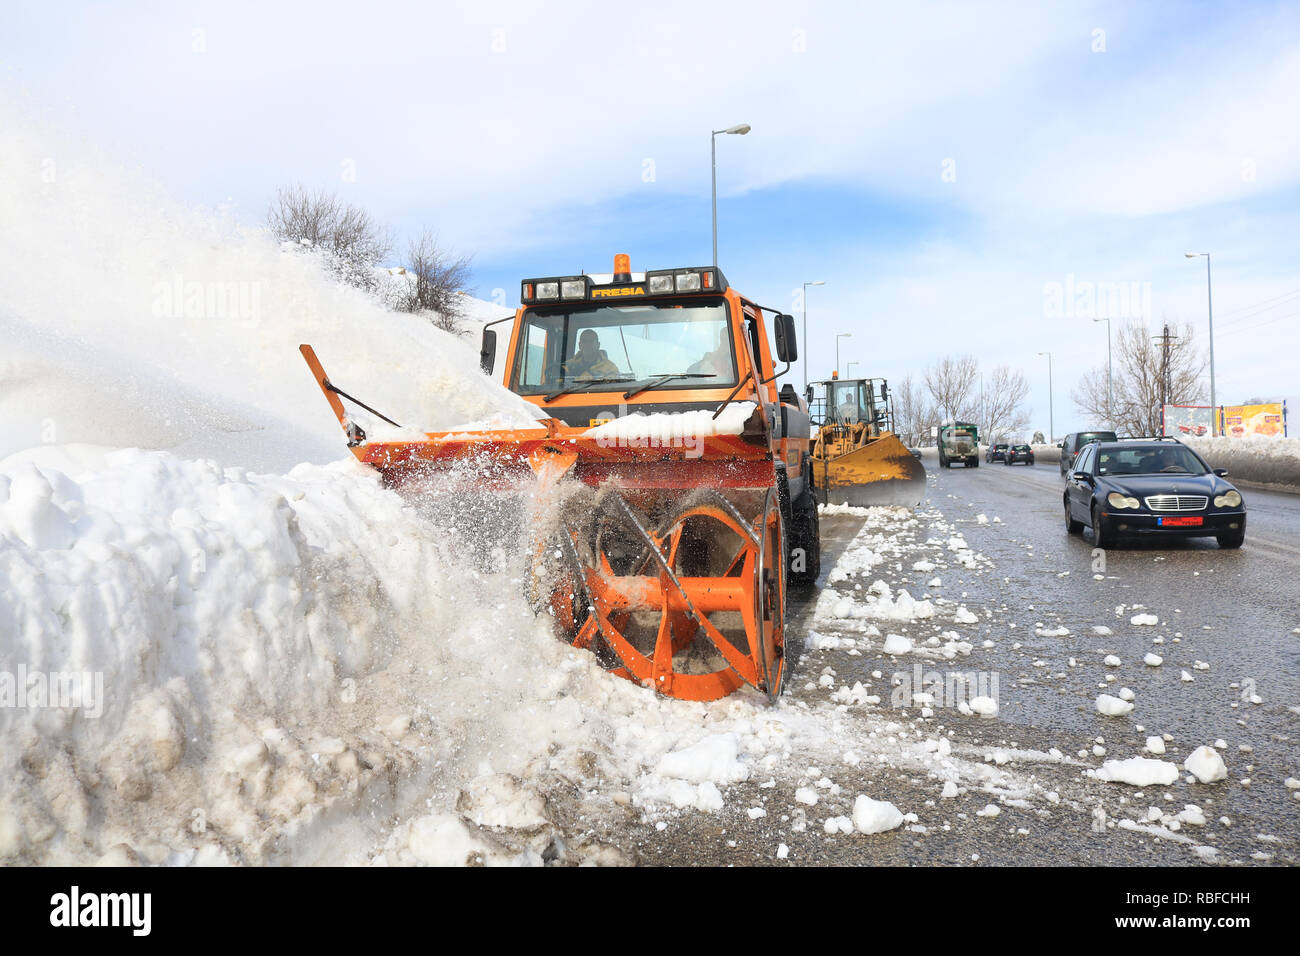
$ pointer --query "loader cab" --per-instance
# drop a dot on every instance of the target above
(852, 402)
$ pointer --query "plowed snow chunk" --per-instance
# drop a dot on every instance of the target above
(1112, 661)
(897, 644)
(1051, 631)
(1155, 745)
(966, 617)
(1206, 765)
(712, 760)
(875, 816)
(1138, 772)
(984, 706)
(1153, 660)
(1143, 619)
(1101, 630)
(1113, 706)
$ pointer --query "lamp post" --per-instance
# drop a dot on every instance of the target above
(739, 130)
(804, 344)
(1051, 419)
(1110, 414)
(1209, 304)
(842, 335)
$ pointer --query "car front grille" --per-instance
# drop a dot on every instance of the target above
(1177, 502)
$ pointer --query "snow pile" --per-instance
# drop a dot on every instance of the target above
(1258, 458)
(131, 321)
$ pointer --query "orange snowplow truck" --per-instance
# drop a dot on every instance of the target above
(676, 474)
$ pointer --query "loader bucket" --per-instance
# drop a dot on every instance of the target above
(882, 472)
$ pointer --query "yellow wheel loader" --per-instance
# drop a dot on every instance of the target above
(856, 457)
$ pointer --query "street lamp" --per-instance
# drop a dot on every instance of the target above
(738, 130)
(842, 335)
(848, 369)
(1209, 302)
(1051, 419)
(1110, 415)
(804, 344)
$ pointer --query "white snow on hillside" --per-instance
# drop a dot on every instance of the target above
(129, 320)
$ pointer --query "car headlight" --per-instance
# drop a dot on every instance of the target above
(1231, 500)
(1116, 500)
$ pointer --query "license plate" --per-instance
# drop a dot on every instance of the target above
(1189, 522)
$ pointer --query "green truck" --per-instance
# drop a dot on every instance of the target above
(959, 441)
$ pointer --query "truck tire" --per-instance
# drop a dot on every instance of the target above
(973, 462)
(805, 565)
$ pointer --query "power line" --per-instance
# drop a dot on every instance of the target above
(1249, 311)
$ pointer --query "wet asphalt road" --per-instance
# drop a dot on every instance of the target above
(1235, 611)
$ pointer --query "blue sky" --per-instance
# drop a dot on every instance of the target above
(1082, 142)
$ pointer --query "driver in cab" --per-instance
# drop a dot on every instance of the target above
(590, 361)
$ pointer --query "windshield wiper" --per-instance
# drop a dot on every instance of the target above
(654, 381)
(582, 386)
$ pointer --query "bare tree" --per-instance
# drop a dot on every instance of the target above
(1139, 366)
(437, 281)
(1000, 408)
(914, 413)
(350, 241)
(949, 384)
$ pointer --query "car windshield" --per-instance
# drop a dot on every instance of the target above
(1149, 460)
(1085, 437)
(1022, 448)
(608, 346)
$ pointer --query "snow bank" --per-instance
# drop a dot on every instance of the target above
(1255, 458)
(129, 320)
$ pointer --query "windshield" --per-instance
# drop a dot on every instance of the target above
(1149, 460)
(602, 348)
(848, 403)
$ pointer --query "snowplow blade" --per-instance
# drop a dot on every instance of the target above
(882, 472)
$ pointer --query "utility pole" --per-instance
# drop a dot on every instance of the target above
(1165, 340)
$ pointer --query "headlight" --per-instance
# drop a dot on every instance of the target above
(661, 284)
(573, 289)
(1116, 500)
(548, 290)
(688, 282)
(1231, 500)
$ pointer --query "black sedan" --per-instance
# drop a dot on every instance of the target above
(1019, 453)
(1151, 488)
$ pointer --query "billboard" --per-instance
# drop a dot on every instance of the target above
(1191, 421)
(1241, 420)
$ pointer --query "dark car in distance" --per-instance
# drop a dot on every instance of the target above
(1019, 453)
(1074, 441)
(996, 452)
(1151, 488)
